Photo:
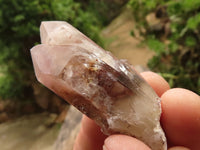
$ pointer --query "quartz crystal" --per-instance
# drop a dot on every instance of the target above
(106, 89)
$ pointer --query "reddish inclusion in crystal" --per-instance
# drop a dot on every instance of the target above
(104, 88)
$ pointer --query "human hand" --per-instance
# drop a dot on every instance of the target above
(180, 120)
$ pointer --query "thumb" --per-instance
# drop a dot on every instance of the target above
(123, 142)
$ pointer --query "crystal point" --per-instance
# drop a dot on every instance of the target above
(101, 86)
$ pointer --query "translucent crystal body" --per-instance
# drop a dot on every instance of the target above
(101, 86)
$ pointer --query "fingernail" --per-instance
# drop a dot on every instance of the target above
(104, 147)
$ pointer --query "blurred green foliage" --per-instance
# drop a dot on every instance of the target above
(176, 44)
(104, 10)
(19, 30)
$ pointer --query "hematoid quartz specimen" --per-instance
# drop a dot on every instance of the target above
(101, 86)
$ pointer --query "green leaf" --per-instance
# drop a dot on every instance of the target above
(19, 18)
(171, 82)
(193, 22)
(151, 4)
(190, 41)
(188, 5)
(174, 8)
(173, 47)
(156, 45)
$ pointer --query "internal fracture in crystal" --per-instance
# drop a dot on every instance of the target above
(106, 89)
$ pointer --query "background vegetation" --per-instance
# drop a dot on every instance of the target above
(171, 29)
(173, 33)
(19, 31)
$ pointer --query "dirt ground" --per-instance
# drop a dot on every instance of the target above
(29, 133)
(122, 44)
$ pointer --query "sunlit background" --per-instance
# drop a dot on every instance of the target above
(158, 35)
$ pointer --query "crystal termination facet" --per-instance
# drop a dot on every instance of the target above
(101, 86)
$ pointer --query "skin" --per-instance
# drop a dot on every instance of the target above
(180, 120)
